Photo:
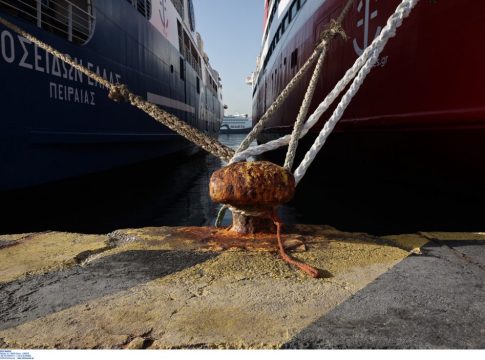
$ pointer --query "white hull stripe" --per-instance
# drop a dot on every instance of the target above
(171, 103)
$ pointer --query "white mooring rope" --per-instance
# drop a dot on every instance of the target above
(361, 69)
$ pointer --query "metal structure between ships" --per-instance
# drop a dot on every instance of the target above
(56, 123)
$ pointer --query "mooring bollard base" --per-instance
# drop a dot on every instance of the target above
(246, 225)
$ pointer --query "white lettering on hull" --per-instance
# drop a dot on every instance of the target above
(23, 61)
(67, 93)
(7, 42)
(29, 56)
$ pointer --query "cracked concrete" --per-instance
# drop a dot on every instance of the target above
(175, 288)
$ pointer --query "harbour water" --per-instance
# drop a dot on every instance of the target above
(173, 192)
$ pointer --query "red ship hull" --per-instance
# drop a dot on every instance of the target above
(421, 107)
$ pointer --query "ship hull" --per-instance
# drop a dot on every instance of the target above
(56, 123)
(421, 107)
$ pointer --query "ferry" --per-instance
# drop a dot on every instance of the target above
(56, 123)
(236, 124)
(422, 107)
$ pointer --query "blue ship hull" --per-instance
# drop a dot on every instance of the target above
(55, 123)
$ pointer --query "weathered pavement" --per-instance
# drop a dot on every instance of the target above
(178, 288)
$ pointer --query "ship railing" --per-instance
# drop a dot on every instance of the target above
(61, 17)
(191, 59)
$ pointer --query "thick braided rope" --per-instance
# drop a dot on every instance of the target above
(279, 100)
(335, 28)
(118, 92)
(302, 113)
(403, 11)
(387, 32)
(197, 137)
(325, 37)
(320, 52)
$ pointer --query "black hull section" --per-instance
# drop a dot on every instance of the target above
(363, 182)
(55, 123)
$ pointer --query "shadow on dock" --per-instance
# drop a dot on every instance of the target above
(40, 295)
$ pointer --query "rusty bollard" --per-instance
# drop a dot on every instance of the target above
(255, 190)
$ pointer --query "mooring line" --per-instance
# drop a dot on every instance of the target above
(335, 28)
(394, 22)
(389, 31)
(118, 92)
(308, 269)
(319, 54)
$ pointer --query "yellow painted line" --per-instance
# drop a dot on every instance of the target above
(455, 236)
(410, 242)
(14, 237)
(42, 252)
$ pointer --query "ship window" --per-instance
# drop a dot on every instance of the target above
(171, 69)
(283, 24)
(293, 9)
(198, 85)
(284, 61)
(182, 69)
(294, 58)
(195, 59)
(271, 16)
(72, 20)
(180, 33)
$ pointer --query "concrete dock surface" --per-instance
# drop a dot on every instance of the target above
(164, 288)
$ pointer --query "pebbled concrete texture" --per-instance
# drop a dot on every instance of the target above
(189, 288)
(27, 254)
